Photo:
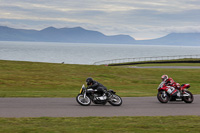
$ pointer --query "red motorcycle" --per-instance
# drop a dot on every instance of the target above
(178, 93)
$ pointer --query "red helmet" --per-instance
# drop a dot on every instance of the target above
(164, 77)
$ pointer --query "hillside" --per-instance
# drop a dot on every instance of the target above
(51, 34)
(183, 39)
(81, 35)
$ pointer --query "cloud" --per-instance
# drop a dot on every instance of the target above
(184, 29)
(110, 17)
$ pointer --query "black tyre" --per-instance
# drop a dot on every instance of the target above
(162, 97)
(189, 98)
(115, 100)
(83, 101)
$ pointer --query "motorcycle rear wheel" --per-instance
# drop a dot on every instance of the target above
(83, 101)
(115, 100)
(188, 99)
(162, 98)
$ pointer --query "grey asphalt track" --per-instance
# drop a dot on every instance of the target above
(68, 107)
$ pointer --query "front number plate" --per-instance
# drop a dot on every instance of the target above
(81, 90)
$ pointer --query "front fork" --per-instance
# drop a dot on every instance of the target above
(164, 94)
(84, 94)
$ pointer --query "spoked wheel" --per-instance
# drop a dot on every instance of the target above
(83, 101)
(188, 98)
(162, 97)
(115, 100)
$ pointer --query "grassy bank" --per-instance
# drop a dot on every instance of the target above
(31, 79)
(176, 124)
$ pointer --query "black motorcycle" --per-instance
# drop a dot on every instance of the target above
(87, 95)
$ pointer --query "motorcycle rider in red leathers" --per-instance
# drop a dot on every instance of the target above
(171, 85)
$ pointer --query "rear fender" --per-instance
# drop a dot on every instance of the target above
(185, 86)
(111, 91)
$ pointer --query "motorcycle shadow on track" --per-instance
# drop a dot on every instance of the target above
(176, 102)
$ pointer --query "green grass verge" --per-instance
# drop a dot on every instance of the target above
(157, 124)
(31, 79)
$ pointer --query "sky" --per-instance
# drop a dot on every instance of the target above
(141, 19)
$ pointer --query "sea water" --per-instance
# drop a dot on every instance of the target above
(85, 53)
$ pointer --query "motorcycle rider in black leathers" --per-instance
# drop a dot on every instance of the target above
(96, 86)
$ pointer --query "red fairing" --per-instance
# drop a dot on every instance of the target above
(165, 88)
(175, 91)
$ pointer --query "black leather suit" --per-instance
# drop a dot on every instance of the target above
(98, 86)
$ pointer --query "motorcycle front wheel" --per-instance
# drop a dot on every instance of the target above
(83, 101)
(189, 98)
(162, 97)
(115, 100)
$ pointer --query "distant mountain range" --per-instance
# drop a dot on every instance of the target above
(71, 35)
(181, 39)
(80, 35)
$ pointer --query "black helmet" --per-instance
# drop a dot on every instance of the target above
(89, 81)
